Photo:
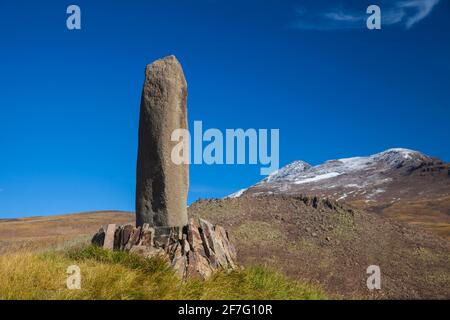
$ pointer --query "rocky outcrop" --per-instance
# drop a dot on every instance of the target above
(194, 251)
(162, 185)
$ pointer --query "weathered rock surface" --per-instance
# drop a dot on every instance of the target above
(162, 186)
(110, 236)
(194, 251)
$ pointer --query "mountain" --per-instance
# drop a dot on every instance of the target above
(400, 183)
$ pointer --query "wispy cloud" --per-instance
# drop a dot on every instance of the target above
(403, 12)
(341, 16)
(422, 9)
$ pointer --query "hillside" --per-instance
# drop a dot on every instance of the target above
(328, 242)
(311, 240)
(403, 184)
(53, 231)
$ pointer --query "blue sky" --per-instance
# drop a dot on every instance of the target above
(69, 100)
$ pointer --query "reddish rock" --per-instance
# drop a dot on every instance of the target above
(195, 251)
(109, 237)
(125, 237)
(148, 252)
(179, 262)
(134, 238)
(147, 235)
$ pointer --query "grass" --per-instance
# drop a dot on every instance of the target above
(431, 215)
(345, 227)
(119, 275)
(258, 231)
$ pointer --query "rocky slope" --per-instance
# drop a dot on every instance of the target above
(330, 243)
(400, 183)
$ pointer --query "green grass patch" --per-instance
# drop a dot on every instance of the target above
(258, 231)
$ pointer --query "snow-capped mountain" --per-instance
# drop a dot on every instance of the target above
(391, 175)
(289, 172)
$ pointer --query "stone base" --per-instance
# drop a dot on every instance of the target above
(196, 250)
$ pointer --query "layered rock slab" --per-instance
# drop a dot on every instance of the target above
(194, 251)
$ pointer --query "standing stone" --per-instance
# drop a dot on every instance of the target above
(195, 249)
(162, 186)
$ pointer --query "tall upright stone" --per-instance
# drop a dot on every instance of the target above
(161, 185)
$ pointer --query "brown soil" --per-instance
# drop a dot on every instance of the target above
(332, 244)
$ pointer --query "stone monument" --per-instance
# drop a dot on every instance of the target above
(161, 185)
(194, 247)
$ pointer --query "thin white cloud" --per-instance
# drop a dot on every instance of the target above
(422, 9)
(404, 12)
(392, 16)
(342, 16)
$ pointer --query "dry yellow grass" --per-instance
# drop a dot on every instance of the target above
(36, 252)
(430, 214)
(118, 275)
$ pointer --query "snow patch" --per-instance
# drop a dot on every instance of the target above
(286, 173)
(375, 192)
(343, 197)
(405, 153)
(318, 177)
(354, 185)
(237, 194)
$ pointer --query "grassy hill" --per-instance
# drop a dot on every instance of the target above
(36, 233)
